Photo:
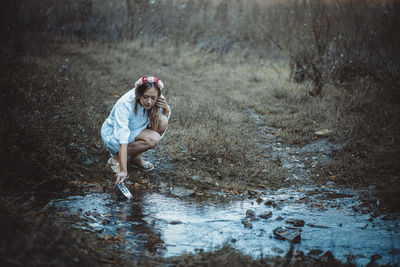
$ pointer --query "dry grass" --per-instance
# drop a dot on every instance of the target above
(206, 133)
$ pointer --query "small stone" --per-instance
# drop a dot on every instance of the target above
(217, 185)
(259, 200)
(318, 226)
(268, 202)
(251, 192)
(276, 206)
(247, 224)
(266, 215)
(295, 222)
(182, 192)
(174, 222)
(195, 177)
(279, 218)
(291, 235)
(321, 133)
(250, 214)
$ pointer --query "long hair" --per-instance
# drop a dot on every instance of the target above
(154, 112)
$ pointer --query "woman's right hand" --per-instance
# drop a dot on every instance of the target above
(121, 176)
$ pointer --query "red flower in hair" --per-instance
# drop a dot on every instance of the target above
(156, 80)
(144, 79)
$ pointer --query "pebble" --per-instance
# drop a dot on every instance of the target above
(174, 222)
(251, 192)
(317, 226)
(268, 202)
(266, 215)
(295, 222)
(250, 214)
(182, 192)
(247, 224)
(291, 235)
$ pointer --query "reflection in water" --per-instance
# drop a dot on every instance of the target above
(145, 223)
(150, 239)
(123, 220)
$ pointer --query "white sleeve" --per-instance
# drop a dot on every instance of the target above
(121, 123)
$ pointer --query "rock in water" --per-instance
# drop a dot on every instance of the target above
(251, 192)
(182, 192)
(174, 222)
(291, 235)
(266, 215)
(295, 222)
(268, 202)
(247, 224)
(250, 214)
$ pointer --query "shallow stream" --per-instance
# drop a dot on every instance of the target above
(163, 224)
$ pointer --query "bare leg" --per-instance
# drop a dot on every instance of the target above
(147, 139)
(162, 125)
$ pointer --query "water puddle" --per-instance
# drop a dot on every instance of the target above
(160, 224)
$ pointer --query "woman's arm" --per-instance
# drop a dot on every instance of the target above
(122, 158)
(162, 103)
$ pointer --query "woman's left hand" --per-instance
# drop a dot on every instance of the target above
(162, 103)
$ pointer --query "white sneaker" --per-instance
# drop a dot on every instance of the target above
(113, 164)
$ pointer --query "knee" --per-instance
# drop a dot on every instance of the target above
(153, 140)
(163, 124)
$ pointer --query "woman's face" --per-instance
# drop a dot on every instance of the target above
(149, 98)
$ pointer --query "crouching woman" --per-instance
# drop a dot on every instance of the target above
(136, 124)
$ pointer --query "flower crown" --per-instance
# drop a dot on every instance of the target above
(149, 79)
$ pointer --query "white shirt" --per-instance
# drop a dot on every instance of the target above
(123, 125)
